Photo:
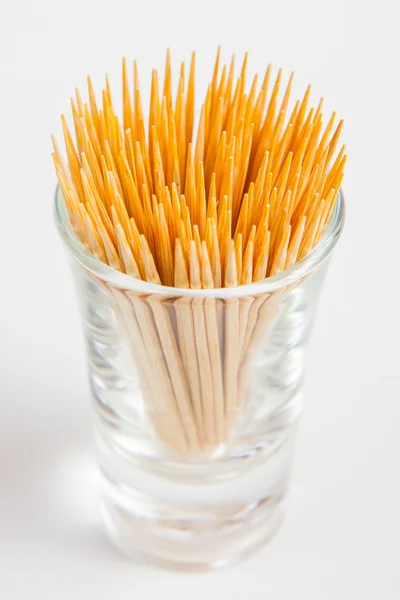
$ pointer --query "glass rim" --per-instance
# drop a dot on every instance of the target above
(298, 271)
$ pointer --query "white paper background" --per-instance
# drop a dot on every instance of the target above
(340, 539)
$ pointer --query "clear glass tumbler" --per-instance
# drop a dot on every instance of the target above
(197, 395)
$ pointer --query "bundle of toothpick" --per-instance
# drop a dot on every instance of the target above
(242, 196)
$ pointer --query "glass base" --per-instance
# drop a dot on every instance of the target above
(192, 515)
(177, 537)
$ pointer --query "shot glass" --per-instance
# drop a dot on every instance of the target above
(197, 397)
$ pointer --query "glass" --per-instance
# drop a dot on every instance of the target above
(197, 396)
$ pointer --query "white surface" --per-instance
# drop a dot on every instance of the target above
(340, 539)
